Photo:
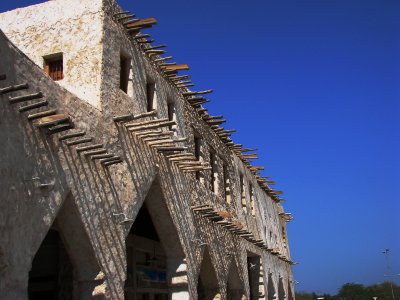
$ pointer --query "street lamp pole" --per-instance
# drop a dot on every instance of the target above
(386, 253)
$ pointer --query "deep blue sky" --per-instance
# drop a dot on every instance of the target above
(314, 84)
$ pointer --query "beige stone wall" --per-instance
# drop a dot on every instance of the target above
(73, 28)
(97, 193)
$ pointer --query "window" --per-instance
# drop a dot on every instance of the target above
(242, 193)
(213, 175)
(252, 207)
(227, 188)
(171, 114)
(197, 152)
(53, 66)
(125, 66)
(150, 93)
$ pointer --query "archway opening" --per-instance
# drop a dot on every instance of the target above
(290, 293)
(207, 284)
(156, 266)
(281, 290)
(255, 277)
(271, 288)
(51, 275)
(235, 289)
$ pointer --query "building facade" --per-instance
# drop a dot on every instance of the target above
(116, 181)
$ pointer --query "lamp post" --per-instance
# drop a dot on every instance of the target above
(386, 253)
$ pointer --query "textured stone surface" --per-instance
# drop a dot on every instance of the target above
(85, 195)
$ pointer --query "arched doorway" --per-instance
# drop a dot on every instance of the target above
(235, 289)
(155, 259)
(207, 284)
(281, 289)
(51, 275)
(271, 288)
(254, 269)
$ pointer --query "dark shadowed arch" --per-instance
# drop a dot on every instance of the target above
(207, 285)
(281, 289)
(156, 265)
(65, 265)
(235, 288)
(271, 288)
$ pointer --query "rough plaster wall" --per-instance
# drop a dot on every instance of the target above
(123, 188)
(72, 27)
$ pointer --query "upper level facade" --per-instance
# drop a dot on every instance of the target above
(97, 52)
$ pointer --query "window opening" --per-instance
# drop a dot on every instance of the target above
(150, 91)
(197, 152)
(53, 66)
(125, 66)
(227, 188)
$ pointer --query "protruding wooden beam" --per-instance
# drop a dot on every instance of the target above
(125, 16)
(95, 152)
(42, 114)
(121, 13)
(59, 128)
(177, 67)
(53, 120)
(146, 122)
(188, 94)
(148, 22)
(87, 148)
(177, 78)
(163, 58)
(71, 135)
(131, 117)
(79, 141)
(154, 51)
(152, 126)
(146, 42)
(117, 161)
(33, 106)
(141, 36)
(170, 149)
(213, 122)
(154, 47)
(14, 88)
(25, 97)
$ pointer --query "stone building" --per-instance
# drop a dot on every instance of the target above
(116, 183)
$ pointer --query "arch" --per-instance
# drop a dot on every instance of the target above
(290, 292)
(271, 288)
(156, 265)
(65, 255)
(235, 288)
(207, 284)
(281, 289)
(255, 274)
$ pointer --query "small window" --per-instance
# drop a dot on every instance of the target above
(213, 175)
(150, 91)
(242, 192)
(125, 66)
(197, 153)
(227, 188)
(171, 114)
(252, 204)
(53, 66)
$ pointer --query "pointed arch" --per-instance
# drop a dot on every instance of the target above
(281, 289)
(207, 284)
(235, 288)
(290, 292)
(65, 255)
(271, 288)
(155, 257)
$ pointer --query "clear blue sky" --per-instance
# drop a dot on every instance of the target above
(315, 85)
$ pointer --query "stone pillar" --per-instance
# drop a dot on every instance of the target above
(177, 270)
(85, 289)
(261, 286)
